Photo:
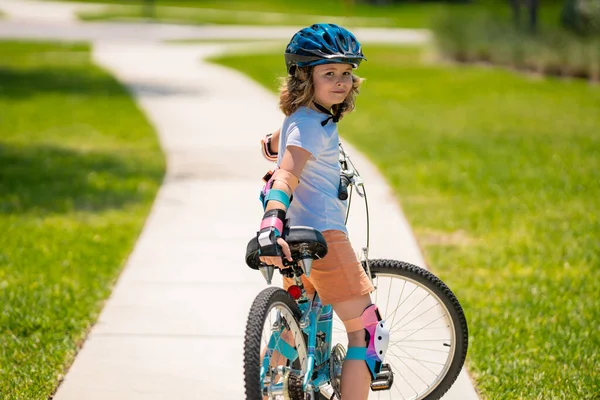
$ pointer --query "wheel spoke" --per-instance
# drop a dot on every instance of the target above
(407, 336)
(429, 309)
(398, 390)
(433, 328)
(410, 357)
(418, 348)
(389, 297)
(415, 306)
(403, 377)
(399, 301)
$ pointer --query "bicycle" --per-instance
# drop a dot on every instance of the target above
(288, 345)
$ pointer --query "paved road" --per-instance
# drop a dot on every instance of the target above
(173, 326)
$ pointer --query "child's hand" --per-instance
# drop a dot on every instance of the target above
(285, 248)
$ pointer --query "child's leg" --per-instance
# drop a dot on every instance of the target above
(356, 379)
(341, 281)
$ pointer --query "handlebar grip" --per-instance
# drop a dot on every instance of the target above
(343, 188)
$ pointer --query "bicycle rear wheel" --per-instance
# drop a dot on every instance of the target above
(428, 330)
(275, 353)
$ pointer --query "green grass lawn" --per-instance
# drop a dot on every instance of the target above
(269, 12)
(499, 175)
(79, 169)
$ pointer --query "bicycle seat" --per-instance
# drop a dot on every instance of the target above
(298, 236)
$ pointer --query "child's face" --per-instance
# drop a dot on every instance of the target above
(332, 83)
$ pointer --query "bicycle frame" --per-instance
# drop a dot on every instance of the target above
(317, 324)
(316, 318)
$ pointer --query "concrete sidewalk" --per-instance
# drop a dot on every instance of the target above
(173, 327)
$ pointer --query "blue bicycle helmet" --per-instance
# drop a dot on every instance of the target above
(322, 44)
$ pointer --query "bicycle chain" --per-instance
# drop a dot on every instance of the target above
(294, 386)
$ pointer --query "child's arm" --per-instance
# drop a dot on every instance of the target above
(293, 162)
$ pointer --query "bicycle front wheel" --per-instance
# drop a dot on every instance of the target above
(428, 330)
(275, 353)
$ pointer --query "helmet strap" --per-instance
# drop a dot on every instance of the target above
(335, 118)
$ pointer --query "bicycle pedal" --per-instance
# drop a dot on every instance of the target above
(384, 379)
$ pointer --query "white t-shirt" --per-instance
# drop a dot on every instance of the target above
(315, 203)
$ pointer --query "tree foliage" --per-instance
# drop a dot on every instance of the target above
(582, 16)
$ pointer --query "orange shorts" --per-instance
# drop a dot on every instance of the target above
(338, 276)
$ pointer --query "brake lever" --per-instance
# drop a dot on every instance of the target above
(358, 184)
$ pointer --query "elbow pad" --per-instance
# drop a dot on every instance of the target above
(268, 193)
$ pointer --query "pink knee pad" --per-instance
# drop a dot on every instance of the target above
(377, 337)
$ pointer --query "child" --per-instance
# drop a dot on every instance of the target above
(320, 89)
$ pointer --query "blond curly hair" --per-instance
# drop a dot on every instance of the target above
(297, 91)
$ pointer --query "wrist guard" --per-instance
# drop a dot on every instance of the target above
(266, 149)
(273, 225)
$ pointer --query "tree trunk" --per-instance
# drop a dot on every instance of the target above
(570, 17)
(533, 6)
(516, 7)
